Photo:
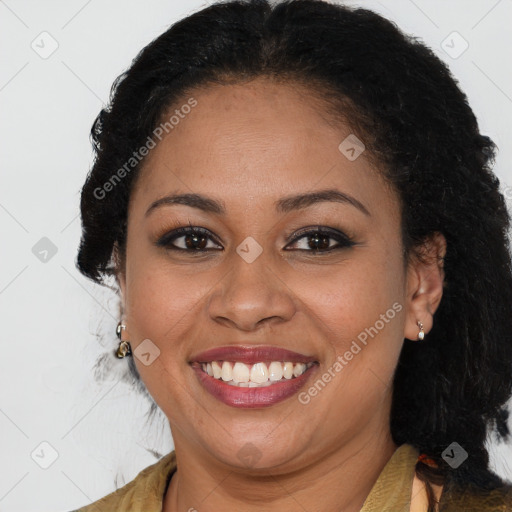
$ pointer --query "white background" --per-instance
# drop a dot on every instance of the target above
(53, 319)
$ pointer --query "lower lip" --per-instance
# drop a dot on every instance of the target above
(251, 398)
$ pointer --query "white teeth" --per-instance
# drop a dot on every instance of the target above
(256, 375)
(298, 369)
(249, 384)
(217, 370)
(227, 372)
(262, 385)
(259, 373)
(275, 371)
(240, 373)
(288, 370)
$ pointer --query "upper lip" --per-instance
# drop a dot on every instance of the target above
(250, 354)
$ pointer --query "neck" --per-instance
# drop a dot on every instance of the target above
(340, 480)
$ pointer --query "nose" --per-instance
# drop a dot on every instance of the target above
(250, 295)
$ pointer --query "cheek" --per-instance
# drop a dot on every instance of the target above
(356, 297)
(364, 321)
(160, 301)
(359, 315)
(161, 308)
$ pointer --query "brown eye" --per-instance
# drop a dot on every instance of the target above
(319, 240)
(193, 239)
(196, 239)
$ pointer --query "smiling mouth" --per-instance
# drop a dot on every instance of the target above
(261, 374)
(252, 376)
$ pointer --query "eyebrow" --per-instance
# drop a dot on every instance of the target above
(283, 205)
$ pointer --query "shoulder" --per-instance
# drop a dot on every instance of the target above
(145, 492)
(473, 499)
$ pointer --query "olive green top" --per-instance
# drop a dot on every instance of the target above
(393, 488)
(390, 493)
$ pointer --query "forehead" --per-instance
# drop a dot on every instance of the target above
(255, 142)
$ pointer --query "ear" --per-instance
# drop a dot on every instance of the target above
(425, 280)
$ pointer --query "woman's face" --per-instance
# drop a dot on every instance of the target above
(256, 281)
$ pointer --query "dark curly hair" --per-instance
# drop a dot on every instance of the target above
(418, 128)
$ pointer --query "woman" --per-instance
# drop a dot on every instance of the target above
(313, 264)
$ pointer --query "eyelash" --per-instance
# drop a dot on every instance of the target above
(343, 240)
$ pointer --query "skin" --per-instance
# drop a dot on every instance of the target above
(248, 146)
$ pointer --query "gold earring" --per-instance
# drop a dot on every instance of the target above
(421, 334)
(124, 349)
